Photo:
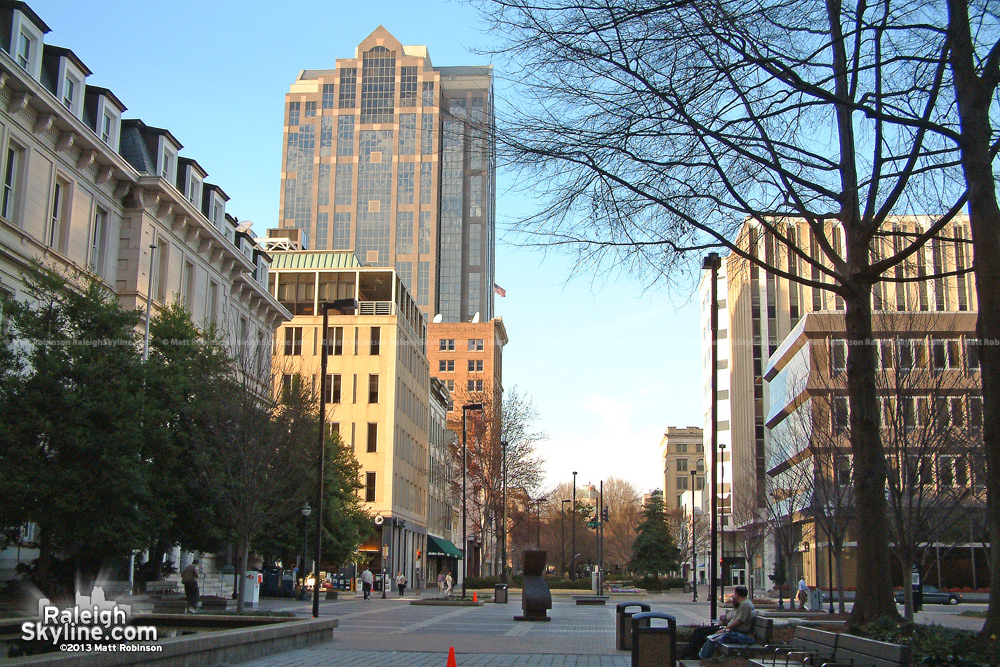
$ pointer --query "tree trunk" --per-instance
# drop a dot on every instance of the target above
(241, 574)
(973, 96)
(838, 564)
(874, 589)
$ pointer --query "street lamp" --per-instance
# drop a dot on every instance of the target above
(713, 262)
(694, 553)
(465, 495)
(342, 306)
(722, 514)
(503, 537)
(562, 535)
(572, 528)
(306, 511)
(538, 525)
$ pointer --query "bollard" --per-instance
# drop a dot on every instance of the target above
(654, 645)
(623, 624)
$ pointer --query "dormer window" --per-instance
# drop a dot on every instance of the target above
(194, 191)
(107, 125)
(69, 92)
(24, 44)
(105, 111)
(167, 165)
(168, 160)
(217, 214)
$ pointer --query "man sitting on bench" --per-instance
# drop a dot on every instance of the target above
(736, 630)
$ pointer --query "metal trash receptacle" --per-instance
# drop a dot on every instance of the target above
(623, 623)
(654, 645)
(500, 593)
(815, 599)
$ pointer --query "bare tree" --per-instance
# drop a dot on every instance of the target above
(751, 520)
(624, 513)
(658, 127)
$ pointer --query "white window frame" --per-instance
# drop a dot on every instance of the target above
(108, 111)
(835, 344)
(166, 162)
(98, 240)
(71, 82)
(60, 208)
(10, 201)
(22, 26)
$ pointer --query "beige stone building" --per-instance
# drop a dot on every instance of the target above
(85, 189)
(758, 309)
(377, 387)
(683, 453)
(391, 157)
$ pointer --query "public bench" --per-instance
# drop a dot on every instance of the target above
(161, 587)
(591, 599)
(761, 629)
(818, 648)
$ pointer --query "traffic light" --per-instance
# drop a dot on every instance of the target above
(604, 514)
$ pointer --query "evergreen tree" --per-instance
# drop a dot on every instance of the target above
(654, 550)
(70, 415)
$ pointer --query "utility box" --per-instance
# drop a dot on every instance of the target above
(815, 599)
(253, 583)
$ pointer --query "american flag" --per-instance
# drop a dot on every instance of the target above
(499, 290)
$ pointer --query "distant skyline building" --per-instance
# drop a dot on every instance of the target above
(393, 158)
(683, 452)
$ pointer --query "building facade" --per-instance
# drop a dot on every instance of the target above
(377, 388)
(86, 190)
(683, 454)
(392, 157)
(757, 311)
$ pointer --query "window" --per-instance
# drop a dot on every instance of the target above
(375, 344)
(946, 353)
(328, 95)
(699, 483)
(446, 365)
(190, 283)
(24, 47)
(213, 308)
(293, 341)
(69, 92)
(372, 438)
(167, 166)
(378, 84)
(289, 383)
(842, 469)
(681, 448)
(475, 345)
(838, 355)
(450, 384)
(841, 414)
(911, 354)
(373, 388)
(474, 385)
(57, 219)
(369, 487)
(447, 344)
(972, 353)
(682, 482)
(408, 86)
(975, 412)
(310, 109)
(162, 269)
(885, 354)
(97, 241)
(475, 365)
(345, 140)
(682, 465)
(348, 87)
(332, 388)
(428, 93)
(12, 180)
(293, 114)
(335, 341)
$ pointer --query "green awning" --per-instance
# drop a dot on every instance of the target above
(315, 260)
(438, 546)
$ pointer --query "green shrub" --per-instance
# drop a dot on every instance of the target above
(663, 584)
(932, 646)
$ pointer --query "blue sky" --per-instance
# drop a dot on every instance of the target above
(609, 365)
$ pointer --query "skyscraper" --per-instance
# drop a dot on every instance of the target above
(403, 173)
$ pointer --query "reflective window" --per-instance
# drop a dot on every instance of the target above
(427, 134)
(424, 233)
(323, 187)
(348, 87)
(374, 205)
(341, 231)
(404, 232)
(378, 85)
(405, 272)
(293, 114)
(408, 87)
(476, 196)
(407, 133)
(310, 109)
(322, 222)
(328, 91)
(423, 283)
(426, 182)
(345, 135)
(404, 182)
(428, 93)
(345, 181)
(298, 188)
(326, 136)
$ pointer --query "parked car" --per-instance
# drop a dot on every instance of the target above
(933, 595)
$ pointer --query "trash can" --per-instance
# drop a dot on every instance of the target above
(253, 582)
(500, 594)
(687, 586)
(815, 599)
(654, 645)
(623, 623)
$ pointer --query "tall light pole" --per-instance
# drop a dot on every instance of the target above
(503, 538)
(713, 263)
(572, 528)
(722, 515)
(465, 495)
(306, 511)
(562, 535)
(600, 550)
(342, 306)
(694, 553)
(149, 302)
(538, 521)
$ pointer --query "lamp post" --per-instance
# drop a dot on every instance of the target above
(342, 306)
(712, 262)
(538, 521)
(562, 535)
(600, 550)
(465, 495)
(572, 528)
(829, 569)
(694, 553)
(306, 511)
(145, 358)
(503, 538)
(722, 515)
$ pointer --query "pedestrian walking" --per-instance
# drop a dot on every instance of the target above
(448, 583)
(400, 583)
(441, 584)
(367, 579)
(803, 593)
(189, 577)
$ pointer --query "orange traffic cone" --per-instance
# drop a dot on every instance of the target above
(475, 598)
(451, 657)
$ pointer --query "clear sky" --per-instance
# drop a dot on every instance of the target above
(609, 365)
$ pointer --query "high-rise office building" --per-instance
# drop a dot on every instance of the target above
(392, 157)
